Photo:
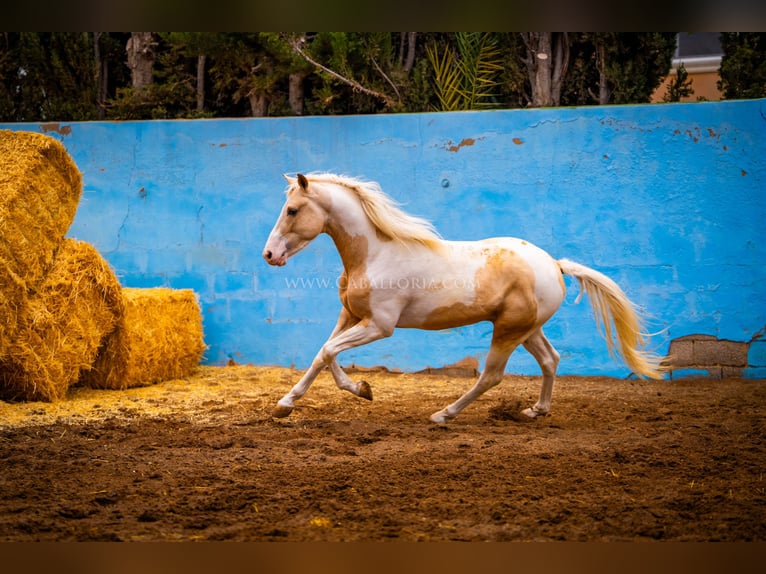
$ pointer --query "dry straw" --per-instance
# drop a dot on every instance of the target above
(40, 187)
(62, 325)
(158, 338)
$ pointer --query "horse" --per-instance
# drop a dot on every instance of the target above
(399, 272)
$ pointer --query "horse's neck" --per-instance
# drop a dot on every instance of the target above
(354, 236)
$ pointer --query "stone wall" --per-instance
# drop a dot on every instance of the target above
(707, 356)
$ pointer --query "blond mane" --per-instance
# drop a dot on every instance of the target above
(383, 211)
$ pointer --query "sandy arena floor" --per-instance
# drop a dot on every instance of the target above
(202, 459)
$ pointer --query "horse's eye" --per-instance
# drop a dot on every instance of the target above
(292, 211)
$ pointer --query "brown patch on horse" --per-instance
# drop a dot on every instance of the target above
(354, 288)
(518, 311)
(504, 294)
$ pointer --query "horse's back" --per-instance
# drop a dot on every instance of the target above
(538, 261)
(469, 281)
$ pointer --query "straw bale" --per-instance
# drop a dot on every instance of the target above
(62, 326)
(40, 187)
(158, 338)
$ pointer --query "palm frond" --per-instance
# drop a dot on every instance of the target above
(446, 77)
(467, 79)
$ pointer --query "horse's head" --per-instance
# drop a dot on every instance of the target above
(300, 221)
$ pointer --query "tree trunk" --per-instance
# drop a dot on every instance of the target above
(560, 65)
(296, 92)
(201, 82)
(538, 63)
(547, 61)
(603, 86)
(141, 57)
(410, 61)
(259, 104)
(100, 71)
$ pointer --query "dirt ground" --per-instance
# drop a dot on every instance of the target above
(202, 459)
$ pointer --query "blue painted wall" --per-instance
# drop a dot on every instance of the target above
(669, 200)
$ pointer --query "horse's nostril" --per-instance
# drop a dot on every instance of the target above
(267, 254)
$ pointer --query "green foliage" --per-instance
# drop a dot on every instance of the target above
(48, 76)
(631, 66)
(171, 96)
(743, 65)
(53, 76)
(467, 77)
(680, 86)
(363, 59)
(447, 79)
(514, 76)
(638, 64)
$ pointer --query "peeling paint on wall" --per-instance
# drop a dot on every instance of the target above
(56, 128)
(456, 147)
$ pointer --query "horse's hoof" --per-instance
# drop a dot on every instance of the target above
(365, 391)
(532, 413)
(439, 418)
(281, 412)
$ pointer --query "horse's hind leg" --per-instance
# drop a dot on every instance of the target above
(548, 359)
(490, 376)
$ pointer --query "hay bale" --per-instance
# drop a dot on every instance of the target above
(40, 187)
(62, 326)
(158, 338)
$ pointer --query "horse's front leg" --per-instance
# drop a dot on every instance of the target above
(361, 389)
(286, 404)
(362, 332)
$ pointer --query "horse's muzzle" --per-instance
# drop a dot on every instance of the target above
(275, 250)
(273, 259)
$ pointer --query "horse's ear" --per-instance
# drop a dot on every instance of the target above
(289, 179)
(303, 182)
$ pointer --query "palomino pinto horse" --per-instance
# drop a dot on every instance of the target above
(398, 272)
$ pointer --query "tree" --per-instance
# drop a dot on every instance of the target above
(616, 68)
(291, 65)
(247, 77)
(47, 76)
(680, 86)
(600, 49)
(170, 93)
(408, 43)
(636, 65)
(101, 68)
(141, 54)
(110, 68)
(547, 60)
(743, 65)
(196, 47)
(8, 72)
(347, 65)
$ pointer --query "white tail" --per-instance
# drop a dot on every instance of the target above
(610, 304)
